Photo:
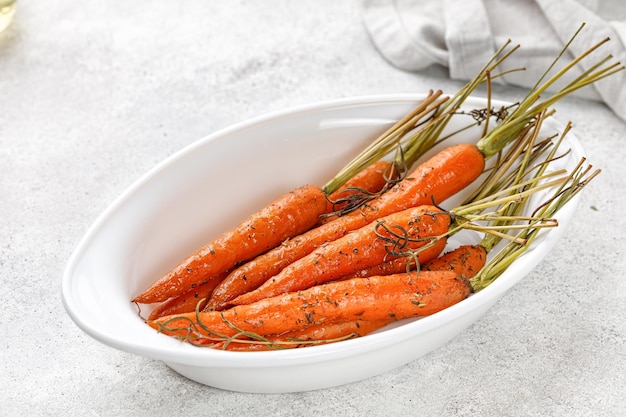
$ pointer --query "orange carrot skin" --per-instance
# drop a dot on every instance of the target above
(249, 276)
(372, 179)
(397, 265)
(442, 176)
(390, 297)
(187, 302)
(317, 333)
(362, 248)
(466, 261)
(288, 216)
(439, 178)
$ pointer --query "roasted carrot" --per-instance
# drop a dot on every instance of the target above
(466, 261)
(288, 216)
(442, 176)
(391, 266)
(316, 334)
(335, 302)
(365, 185)
(187, 302)
(398, 234)
(436, 179)
(396, 297)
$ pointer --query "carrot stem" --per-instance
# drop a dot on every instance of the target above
(578, 179)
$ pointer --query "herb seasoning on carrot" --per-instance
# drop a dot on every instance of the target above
(288, 216)
(393, 297)
(301, 300)
(364, 186)
(436, 179)
(465, 261)
(187, 301)
(398, 234)
(313, 335)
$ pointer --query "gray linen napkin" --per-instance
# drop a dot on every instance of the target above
(463, 34)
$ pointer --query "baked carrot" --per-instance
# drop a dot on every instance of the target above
(186, 302)
(392, 266)
(466, 261)
(436, 179)
(364, 186)
(288, 216)
(252, 316)
(398, 234)
(315, 334)
(395, 297)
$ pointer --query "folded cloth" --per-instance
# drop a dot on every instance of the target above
(463, 35)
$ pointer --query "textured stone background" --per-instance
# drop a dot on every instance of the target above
(94, 93)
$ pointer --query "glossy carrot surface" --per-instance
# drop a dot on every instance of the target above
(466, 261)
(288, 216)
(440, 177)
(396, 235)
(391, 297)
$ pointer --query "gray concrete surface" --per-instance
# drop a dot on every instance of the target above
(94, 93)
